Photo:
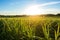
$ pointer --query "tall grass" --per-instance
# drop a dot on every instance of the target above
(29, 29)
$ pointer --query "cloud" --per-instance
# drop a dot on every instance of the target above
(49, 3)
(38, 8)
(10, 13)
(50, 10)
(44, 4)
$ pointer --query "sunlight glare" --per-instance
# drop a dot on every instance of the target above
(33, 10)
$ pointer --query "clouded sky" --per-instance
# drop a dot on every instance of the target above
(13, 7)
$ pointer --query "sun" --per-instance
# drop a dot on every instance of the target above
(33, 10)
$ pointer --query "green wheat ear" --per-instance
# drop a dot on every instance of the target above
(57, 32)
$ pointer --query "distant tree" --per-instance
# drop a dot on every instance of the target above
(58, 14)
(50, 14)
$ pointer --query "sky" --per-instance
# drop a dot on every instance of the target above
(29, 7)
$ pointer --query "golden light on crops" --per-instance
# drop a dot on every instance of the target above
(35, 18)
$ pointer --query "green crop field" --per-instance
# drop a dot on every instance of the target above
(30, 28)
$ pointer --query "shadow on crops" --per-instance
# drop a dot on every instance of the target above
(2, 34)
(39, 31)
(5, 34)
(53, 28)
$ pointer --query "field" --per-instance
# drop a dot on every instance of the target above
(30, 28)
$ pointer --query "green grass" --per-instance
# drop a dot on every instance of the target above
(30, 28)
